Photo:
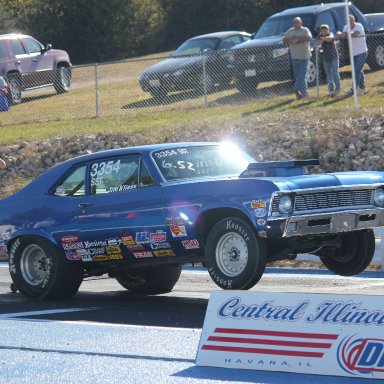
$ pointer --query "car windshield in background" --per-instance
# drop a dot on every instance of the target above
(196, 46)
(201, 161)
(277, 26)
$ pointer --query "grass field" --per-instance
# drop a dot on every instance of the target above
(120, 105)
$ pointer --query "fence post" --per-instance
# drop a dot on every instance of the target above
(317, 70)
(205, 81)
(97, 89)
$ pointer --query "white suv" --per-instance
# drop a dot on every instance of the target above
(27, 64)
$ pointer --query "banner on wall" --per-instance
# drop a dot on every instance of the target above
(338, 335)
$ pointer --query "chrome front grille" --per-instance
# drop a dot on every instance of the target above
(319, 201)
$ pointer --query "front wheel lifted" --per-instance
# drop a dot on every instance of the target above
(352, 256)
(235, 256)
(40, 270)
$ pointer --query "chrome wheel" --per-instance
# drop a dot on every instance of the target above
(311, 75)
(35, 266)
(231, 254)
(14, 85)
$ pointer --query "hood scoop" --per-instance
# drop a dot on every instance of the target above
(279, 168)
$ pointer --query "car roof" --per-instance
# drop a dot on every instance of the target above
(136, 149)
(308, 9)
(13, 36)
(220, 35)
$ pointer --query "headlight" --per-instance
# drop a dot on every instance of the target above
(280, 52)
(179, 72)
(378, 198)
(285, 205)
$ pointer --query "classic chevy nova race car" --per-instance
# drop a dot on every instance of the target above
(138, 214)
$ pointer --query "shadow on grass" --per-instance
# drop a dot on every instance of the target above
(164, 100)
(30, 99)
(279, 89)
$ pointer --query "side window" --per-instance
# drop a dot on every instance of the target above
(32, 45)
(146, 179)
(3, 50)
(17, 47)
(326, 18)
(73, 185)
(231, 41)
(117, 175)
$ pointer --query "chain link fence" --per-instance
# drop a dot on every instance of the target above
(133, 87)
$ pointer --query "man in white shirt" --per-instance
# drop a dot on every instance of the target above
(359, 51)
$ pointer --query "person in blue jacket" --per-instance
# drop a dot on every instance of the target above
(4, 104)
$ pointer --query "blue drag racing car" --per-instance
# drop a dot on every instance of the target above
(138, 214)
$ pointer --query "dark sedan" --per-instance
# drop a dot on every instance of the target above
(198, 64)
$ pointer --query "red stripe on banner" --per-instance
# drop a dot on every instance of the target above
(275, 333)
(261, 351)
(269, 342)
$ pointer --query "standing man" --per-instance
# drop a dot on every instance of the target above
(298, 38)
(326, 40)
(359, 51)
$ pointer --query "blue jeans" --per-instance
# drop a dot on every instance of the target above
(331, 69)
(299, 68)
(359, 61)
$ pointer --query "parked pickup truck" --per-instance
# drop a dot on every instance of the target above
(266, 57)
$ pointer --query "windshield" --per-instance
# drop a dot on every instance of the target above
(201, 161)
(277, 26)
(196, 46)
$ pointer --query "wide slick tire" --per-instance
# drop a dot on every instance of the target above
(235, 256)
(150, 280)
(40, 270)
(354, 254)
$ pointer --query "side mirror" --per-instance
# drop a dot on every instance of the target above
(48, 47)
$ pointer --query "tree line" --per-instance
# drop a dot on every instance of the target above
(99, 31)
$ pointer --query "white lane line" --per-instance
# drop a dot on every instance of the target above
(46, 312)
(102, 354)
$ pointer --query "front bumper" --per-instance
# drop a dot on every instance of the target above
(325, 223)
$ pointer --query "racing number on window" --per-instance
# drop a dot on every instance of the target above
(99, 169)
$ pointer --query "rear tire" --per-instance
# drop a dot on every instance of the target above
(150, 280)
(376, 58)
(353, 256)
(235, 256)
(246, 87)
(15, 88)
(40, 270)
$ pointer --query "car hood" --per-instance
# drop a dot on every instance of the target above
(329, 180)
(173, 64)
(263, 42)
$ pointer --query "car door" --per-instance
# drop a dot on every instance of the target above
(122, 215)
(40, 64)
(23, 63)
